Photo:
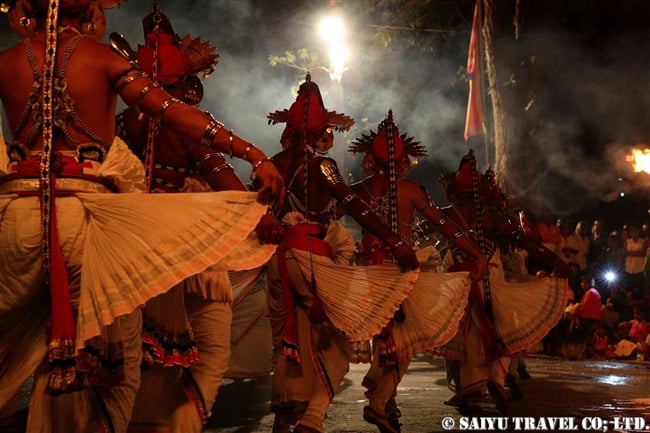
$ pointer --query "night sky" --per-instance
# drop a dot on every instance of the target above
(593, 100)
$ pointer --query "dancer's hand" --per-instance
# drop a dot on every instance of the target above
(268, 183)
(480, 268)
(269, 230)
(405, 256)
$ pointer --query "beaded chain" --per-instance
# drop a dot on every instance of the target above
(392, 174)
(479, 230)
(46, 154)
(153, 125)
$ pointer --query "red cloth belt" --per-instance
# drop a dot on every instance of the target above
(62, 328)
(492, 344)
(377, 256)
(62, 167)
(301, 237)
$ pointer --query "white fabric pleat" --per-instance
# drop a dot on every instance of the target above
(432, 311)
(358, 300)
(140, 245)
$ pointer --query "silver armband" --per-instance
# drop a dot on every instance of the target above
(330, 170)
(210, 132)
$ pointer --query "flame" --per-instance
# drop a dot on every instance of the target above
(640, 159)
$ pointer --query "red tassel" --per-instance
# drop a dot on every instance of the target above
(62, 324)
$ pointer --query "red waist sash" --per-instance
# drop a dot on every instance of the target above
(25, 179)
(301, 237)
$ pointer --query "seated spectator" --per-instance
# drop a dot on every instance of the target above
(636, 335)
(600, 347)
(588, 311)
(611, 312)
(583, 318)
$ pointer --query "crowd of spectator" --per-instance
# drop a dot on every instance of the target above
(607, 317)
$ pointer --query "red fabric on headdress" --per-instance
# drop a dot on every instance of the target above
(73, 4)
(67, 6)
(464, 176)
(380, 147)
(317, 115)
(172, 63)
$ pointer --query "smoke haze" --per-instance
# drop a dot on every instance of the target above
(594, 99)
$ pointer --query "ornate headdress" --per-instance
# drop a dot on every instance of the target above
(308, 115)
(27, 16)
(461, 181)
(170, 59)
(376, 147)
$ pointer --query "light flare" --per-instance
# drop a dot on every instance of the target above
(332, 31)
(640, 159)
(339, 53)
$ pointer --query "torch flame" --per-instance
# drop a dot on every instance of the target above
(640, 159)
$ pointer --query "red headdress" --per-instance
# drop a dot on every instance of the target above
(376, 148)
(308, 115)
(27, 16)
(176, 59)
(463, 177)
(461, 181)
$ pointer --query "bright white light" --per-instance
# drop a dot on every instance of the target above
(610, 276)
(622, 194)
(331, 29)
(339, 53)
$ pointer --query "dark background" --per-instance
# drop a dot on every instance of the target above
(588, 82)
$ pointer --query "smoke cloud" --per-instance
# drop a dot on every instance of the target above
(593, 101)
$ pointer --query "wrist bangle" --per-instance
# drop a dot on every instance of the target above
(230, 141)
(459, 234)
(165, 105)
(248, 148)
(258, 163)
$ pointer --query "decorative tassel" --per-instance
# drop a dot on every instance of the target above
(386, 347)
(61, 357)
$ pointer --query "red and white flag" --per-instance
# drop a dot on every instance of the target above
(474, 121)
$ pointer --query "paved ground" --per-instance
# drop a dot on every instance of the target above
(586, 392)
(590, 395)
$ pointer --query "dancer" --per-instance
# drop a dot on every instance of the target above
(186, 332)
(317, 300)
(78, 260)
(503, 317)
(430, 315)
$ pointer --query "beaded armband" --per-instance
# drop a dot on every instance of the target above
(124, 81)
(205, 158)
(165, 105)
(210, 132)
(443, 219)
(146, 89)
(216, 169)
(459, 234)
(517, 233)
(331, 171)
(258, 163)
(231, 143)
(348, 198)
(248, 149)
